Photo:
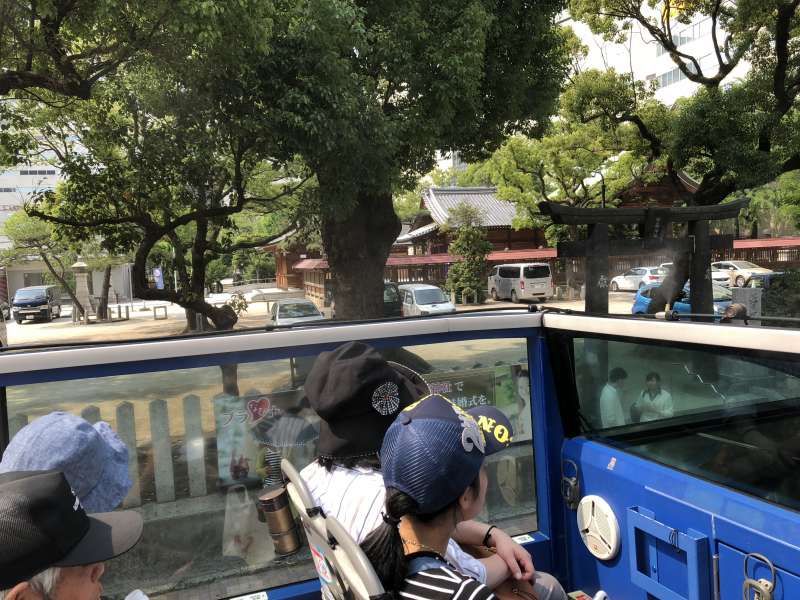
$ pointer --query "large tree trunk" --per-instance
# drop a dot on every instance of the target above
(102, 309)
(357, 246)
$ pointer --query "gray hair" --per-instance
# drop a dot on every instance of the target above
(44, 583)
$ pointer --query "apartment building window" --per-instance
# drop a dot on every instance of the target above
(7, 190)
(688, 34)
(37, 172)
(670, 77)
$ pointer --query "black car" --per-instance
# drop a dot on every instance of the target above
(392, 300)
(36, 302)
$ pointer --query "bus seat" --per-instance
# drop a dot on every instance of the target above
(313, 520)
(353, 570)
(311, 516)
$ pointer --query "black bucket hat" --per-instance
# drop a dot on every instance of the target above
(358, 393)
(43, 525)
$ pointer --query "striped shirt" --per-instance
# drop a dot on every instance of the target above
(443, 583)
(355, 498)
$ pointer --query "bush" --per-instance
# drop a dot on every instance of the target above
(782, 297)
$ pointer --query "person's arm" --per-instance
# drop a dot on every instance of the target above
(668, 408)
(516, 561)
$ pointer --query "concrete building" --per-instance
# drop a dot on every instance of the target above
(647, 60)
(17, 185)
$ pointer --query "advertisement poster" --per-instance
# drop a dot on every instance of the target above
(255, 432)
(507, 387)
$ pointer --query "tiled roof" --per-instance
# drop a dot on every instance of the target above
(783, 242)
(419, 232)
(496, 212)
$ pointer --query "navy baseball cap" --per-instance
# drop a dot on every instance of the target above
(92, 457)
(434, 449)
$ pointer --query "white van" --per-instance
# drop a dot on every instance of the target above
(521, 281)
(420, 299)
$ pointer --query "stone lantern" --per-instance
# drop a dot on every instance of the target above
(81, 270)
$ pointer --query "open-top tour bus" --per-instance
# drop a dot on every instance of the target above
(684, 506)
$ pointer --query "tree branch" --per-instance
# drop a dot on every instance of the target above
(245, 245)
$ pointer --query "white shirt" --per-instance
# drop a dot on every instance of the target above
(355, 497)
(611, 414)
(655, 407)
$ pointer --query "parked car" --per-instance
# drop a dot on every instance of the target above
(722, 299)
(36, 302)
(637, 277)
(740, 270)
(718, 277)
(392, 300)
(420, 299)
(521, 281)
(292, 311)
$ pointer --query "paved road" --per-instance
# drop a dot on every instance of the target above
(143, 325)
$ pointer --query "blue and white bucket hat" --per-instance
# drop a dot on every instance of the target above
(93, 458)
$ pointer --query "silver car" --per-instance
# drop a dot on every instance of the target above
(292, 311)
(740, 270)
(420, 299)
(637, 277)
(717, 277)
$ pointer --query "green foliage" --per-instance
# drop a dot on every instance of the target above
(782, 298)
(471, 246)
(217, 269)
(774, 206)
(238, 304)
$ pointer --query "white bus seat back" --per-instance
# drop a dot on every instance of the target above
(311, 516)
(352, 565)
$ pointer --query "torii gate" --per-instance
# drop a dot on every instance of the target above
(653, 226)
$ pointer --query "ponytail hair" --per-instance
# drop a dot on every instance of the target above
(384, 546)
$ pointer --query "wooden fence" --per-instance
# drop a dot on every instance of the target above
(193, 446)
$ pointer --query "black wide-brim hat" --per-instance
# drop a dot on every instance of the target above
(358, 393)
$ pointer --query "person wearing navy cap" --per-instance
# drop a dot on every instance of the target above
(432, 458)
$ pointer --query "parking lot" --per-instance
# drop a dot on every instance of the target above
(142, 325)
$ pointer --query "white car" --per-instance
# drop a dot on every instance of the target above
(717, 277)
(740, 270)
(637, 277)
(293, 311)
(420, 299)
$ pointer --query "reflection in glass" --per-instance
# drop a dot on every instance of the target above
(729, 418)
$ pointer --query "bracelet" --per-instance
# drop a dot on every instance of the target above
(488, 535)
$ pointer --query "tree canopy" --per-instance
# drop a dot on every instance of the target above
(368, 91)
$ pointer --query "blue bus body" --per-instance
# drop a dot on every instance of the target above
(694, 489)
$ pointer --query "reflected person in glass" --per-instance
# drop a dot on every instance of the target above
(611, 413)
(654, 402)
